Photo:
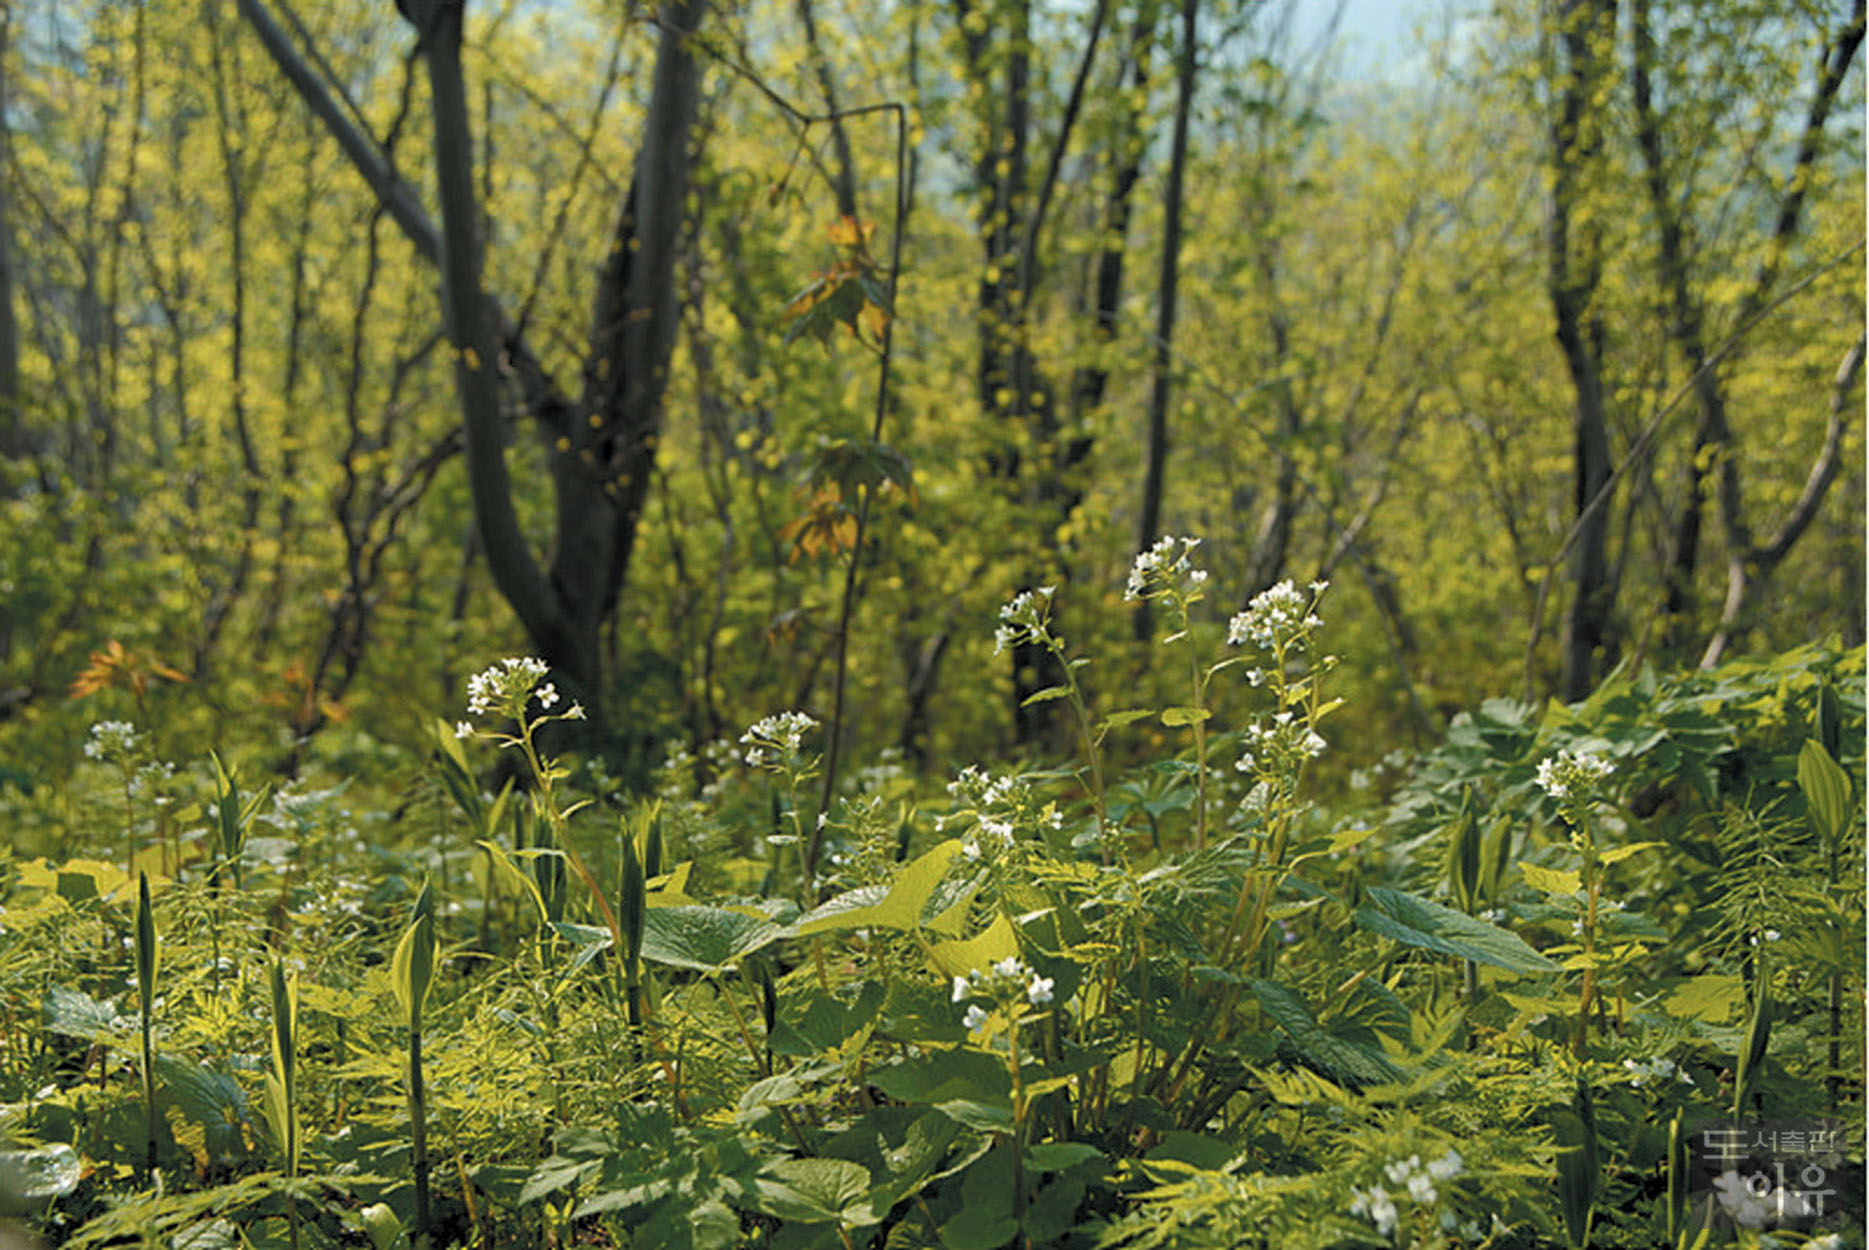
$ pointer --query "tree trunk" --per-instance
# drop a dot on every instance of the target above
(601, 446)
(1585, 37)
(1149, 516)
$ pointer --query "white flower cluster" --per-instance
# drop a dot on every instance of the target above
(997, 806)
(1412, 1177)
(1006, 979)
(776, 738)
(1572, 773)
(1276, 748)
(112, 741)
(1156, 570)
(503, 688)
(1641, 1070)
(1277, 616)
(1023, 619)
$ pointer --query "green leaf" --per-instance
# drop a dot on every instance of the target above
(704, 939)
(76, 1014)
(31, 1178)
(1579, 1173)
(1046, 695)
(412, 969)
(988, 1117)
(816, 1191)
(1826, 790)
(1558, 881)
(994, 943)
(1615, 855)
(1185, 715)
(899, 907)
(1418, 922)
(147, 955)
(1341, 1060)
(944, 1075)
(1712, 998)
(1060, 1156)
(1116, 720)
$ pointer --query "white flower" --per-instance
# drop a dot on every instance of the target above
(1376, 1206)
(1744, 1201)
(1399, 1171)
(463, 729)
(961, 988)
(1038, 990)
(1421, 1189)
(547, 695)
(575, 712)
(974, 1018)
(1009, 967)
(1447, 1166)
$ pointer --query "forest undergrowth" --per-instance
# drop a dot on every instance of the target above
(1579, 975)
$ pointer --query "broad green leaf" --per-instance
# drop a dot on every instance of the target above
(988, 1117)
(412, 969)
(1342, 1060)
(817, 1191)
(899, 907)
(1419, 922)
(943, 1075)
(994, 943)
(76, 1014)
(1060, 1156)
(1826, 790)
(704, 939)
(210, 1100)
(31, 1178)
(1561, 881)
(1712, 998)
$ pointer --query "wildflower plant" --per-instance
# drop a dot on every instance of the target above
(776, 744)
(1025, 620)
(1166, 574)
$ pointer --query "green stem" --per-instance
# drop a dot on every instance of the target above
(418, 1139)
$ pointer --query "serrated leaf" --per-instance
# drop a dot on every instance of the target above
(1416, 921)
(703, 939)
(1712, 998)
(76, 1014)
(817, 1191)
(1344, 1061)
